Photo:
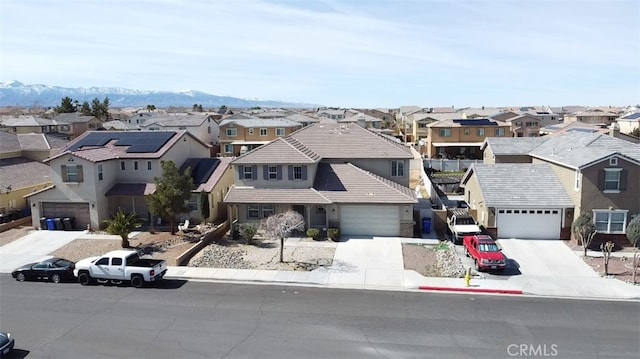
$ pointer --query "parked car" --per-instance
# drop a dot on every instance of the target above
(118, 266)
(6, 343)
(53, 269)
(485, 252)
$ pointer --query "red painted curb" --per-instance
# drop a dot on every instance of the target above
(472, 290)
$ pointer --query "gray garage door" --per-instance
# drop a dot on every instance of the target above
(78, 211)
(374, 220)
(529, 223)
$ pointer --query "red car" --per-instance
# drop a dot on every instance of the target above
(485, 252)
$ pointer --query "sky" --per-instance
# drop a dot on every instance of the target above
(343, 53)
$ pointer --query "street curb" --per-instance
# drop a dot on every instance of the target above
(472, 290)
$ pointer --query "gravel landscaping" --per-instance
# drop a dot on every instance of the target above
(433, 260)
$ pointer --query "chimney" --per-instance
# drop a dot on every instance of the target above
(614, 129)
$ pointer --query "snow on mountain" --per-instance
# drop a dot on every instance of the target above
(15, 93)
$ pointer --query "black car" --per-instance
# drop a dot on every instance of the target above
(6, 343)
(53, 269)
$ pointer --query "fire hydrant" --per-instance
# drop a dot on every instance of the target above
(467, 278)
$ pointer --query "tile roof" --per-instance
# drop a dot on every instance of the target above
(580, 149)
(20, 172)
(283, 150)
(261, 122)
(275, 195)
(346, 183)
(176, 120)
(27, 121)
(302, 118)
(519, 184)
(333, 140)
(73, 118)
(33, 141)
(513, 145)
(9, 142)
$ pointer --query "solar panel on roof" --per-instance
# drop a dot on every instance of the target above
(475, 122)
(138, 142)
(201, 168)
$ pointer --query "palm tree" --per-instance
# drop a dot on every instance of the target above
(122, 224)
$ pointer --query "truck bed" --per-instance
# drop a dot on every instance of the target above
(144, 262)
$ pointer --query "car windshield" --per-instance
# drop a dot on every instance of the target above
(488, 247)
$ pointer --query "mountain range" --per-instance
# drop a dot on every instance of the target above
(15, 93)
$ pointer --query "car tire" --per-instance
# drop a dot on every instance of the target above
(477, 266)
(84, 278)
(20, 277)
(55, 278)
(137, 281)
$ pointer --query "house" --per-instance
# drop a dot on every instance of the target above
(79, 123)
(518, 200)
(20, 175)
(212, 177)
(33, 124)
(201, 125)
(239, 133)
(525, 125)
(478, 112)
(598, 172)
(509, 150)
(103, 171)
(461, 137)
(363, 120)
(333, 114)
(600, 118)
(421, 121)
(302, 119)
(335, 175)
(629, 122)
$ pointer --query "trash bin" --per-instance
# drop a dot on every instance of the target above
(43, 222)
(426, 225)
(51, 224)
(68, 223)
(58, 223)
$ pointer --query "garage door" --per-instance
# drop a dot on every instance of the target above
(78, 211)
(529, 223)
(370, 220)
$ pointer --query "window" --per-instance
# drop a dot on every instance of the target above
(263, 132)
(228, 148)
(122, 166)
(232, 132)
(100, 176)
(272, 173)
(613, 161)
(397, 168)
(268, 210)
(253, 211)
(297, 172)
(135, 165)
(480, 131)
(72, 173)
(251, 131)
(65, 128)
(148, 165)
(467, 131)
(103, 261)
(499, 132)
(610, 221)
(612, 179)
(280, 131)
(192, 202)
(577, 180)
(445, 132)
(92, 125)
(116, 261)
(247, 173)
(209, 129)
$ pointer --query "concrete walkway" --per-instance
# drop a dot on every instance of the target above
(33, 247)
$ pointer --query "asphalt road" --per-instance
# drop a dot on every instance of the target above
(213, 320)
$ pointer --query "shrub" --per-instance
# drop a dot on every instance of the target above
(248, 231)
(333, 233)
(313, 233)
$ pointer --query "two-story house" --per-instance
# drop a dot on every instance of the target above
(525, 125)
(201, 125)
(101, 172)
(239, 135)
(599, 174)
(33, 124)
(79, 123)
(598, 117)
(363, 120)
(335, 175)
(461, 138)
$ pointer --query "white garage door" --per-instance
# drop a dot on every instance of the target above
(78, 211)
(370, 220)
(529, 223)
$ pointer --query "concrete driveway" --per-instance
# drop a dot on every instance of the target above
(550, 258)
(33, 247)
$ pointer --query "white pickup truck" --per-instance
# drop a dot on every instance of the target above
(462, 224)
(118, 266)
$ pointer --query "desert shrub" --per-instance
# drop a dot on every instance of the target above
(313, 233)
(248, 231)
(333, 233)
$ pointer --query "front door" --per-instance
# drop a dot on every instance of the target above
(301, 209)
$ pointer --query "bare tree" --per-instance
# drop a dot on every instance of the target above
(281, 226)
(606, 249)
(633, 234)
(585, 230)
